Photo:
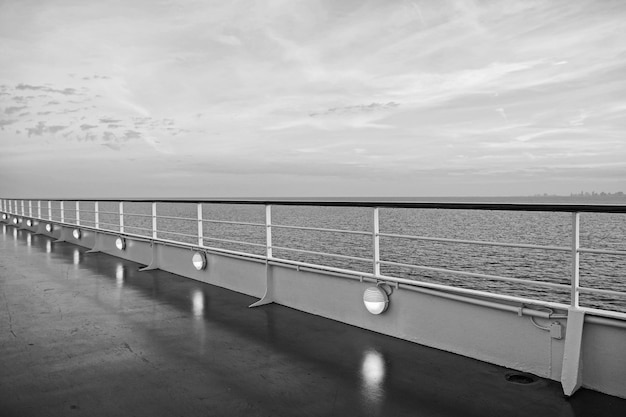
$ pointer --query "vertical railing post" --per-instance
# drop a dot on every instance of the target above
(154, 221)
(39, 209)
(50, 210)
(62, 213)
(96, 215)
(575, 284)
(78, 213)
(30, 208)
(376, 242)
(22, 207)
(121, 217)
(200, 235)
(268, 231)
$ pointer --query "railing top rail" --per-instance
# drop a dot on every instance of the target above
(546, 207)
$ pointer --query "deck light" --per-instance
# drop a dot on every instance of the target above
(120, 243)
(4, 216)
(199, 261)
(376, 300)
(15, 220)
(29, 222)
(76, 234)
(49, 228)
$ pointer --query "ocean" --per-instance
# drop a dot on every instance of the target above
(597, 231)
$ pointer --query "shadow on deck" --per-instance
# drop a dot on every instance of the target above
(87, 334)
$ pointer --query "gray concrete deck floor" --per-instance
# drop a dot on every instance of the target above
(88, 335)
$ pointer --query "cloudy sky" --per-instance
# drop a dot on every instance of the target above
(117, 98)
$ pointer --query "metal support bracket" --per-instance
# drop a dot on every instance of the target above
(268, 297)
(571, 375)
(63, 237)
(154, 262)
(97, 246)
(41, 228)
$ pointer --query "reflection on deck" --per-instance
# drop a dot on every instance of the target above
(87, 334)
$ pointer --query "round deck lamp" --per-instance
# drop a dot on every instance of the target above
(376, 300)
(76, 234)
(120, 243)
(48, 228)
(29, 222)
(4, 216)
(15, 220)
(199, 260)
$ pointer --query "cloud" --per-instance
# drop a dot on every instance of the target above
(41, 128)
(87, 127)
(361, 108)
(4, 123)
(131, 134)
(112, 146)
(15, 109)
(65, 91)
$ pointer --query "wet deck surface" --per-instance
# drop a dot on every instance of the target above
(89, 335)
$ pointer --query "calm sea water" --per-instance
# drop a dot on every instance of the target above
(598, 231)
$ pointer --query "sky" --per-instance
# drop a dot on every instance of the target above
(317, 98)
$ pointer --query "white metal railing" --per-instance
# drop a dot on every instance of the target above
(199, 237)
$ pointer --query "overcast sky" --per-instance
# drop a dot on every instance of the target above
(311, 98)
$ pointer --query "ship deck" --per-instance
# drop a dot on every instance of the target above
(88, 334)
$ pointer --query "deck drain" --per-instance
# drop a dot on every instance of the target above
(522, 379)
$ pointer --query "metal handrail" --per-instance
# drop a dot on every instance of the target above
(333, 255)
(562, 208)
(321, 229)
(26, 208)
(477, 242)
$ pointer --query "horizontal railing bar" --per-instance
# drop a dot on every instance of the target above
(613, 321)
(603, 251)
(173, 233)
(109, 212)
(174, 218)
(547, 207)
(604, 313)
(109, 224)
(477, 242)
(233, 241)
(126, 226)
(477, 275)
(232, 222)
(334, 255)
(136, 215)
(211, 248)
(422, 284)
(589, 290)
(354, 232)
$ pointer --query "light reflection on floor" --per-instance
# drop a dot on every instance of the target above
(197, 303)
(119, 275)
(372, 377)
